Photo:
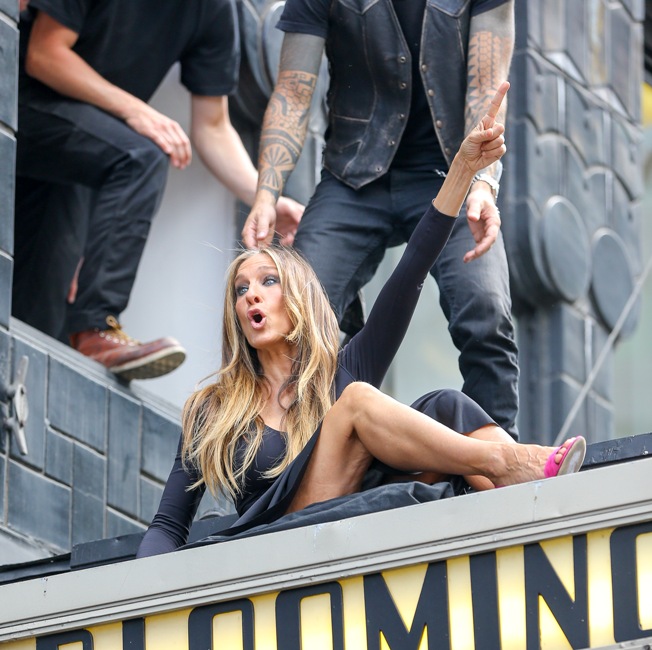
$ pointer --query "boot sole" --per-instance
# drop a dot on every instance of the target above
(153, 365)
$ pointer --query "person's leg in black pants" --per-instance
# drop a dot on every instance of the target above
(476, 301)
(344, 234)
(68, 142)
(49, 236)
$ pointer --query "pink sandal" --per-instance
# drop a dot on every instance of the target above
(571, 460)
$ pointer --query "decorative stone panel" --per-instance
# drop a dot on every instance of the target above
(573, 184)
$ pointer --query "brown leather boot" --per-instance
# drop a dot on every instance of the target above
(127, 357)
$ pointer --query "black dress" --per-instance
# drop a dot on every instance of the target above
(367, 358)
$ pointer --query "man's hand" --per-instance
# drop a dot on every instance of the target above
(267, 219)
(482, 147)
(163, 131)
(483, 218)
(486, 144)
(288, 216)
(258, 230)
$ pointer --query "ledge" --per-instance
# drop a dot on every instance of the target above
(593, 500)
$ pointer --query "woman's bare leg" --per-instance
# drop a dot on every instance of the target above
(365, 424)
(489, 433)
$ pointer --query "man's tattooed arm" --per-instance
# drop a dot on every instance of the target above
(286, 118)
(491, 44)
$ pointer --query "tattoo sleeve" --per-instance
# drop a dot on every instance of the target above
(284, 129)
(491, 44)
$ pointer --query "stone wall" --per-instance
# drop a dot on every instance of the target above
(99, 450)
(571, 206)
(8, 125)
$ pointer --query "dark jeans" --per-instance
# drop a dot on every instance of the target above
(344, 234)
(87, 186)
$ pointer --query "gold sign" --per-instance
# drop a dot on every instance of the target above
(578, 591)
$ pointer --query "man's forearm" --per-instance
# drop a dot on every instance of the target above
(224, 155)
(491, 44)
(284, 129)
(51, 60)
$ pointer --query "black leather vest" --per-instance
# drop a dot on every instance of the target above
(371, 83)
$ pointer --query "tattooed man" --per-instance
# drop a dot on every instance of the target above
(408, 79)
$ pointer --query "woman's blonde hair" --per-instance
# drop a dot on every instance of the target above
(219, 416)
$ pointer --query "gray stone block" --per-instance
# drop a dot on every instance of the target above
(597, 17)
(58, 457)
(601, 418)
(554, 35)
(603, 384)
(7, 188)
(8, 74)
(612, 281)
(528, 275)
(9, 7)
(3, 465)
(529, 24)
(77, 405)
(17, 550)
(160, 441)
(534, 386)
(87, 518)
(117, 524)
(567, 249)
(124, 453)
(566, 343)
(573, 173)
(626, 220)
(596, 198)
(35, 384)
(585, 125)
(627, 155)
(5, 378)
(89, 472)
(544, 159)
(536, 95)
(636, 9)
(625, 60)
(6, 270)
(150, 497)
(38, 507)
(563, 394)
(576, 38)
(88, 495)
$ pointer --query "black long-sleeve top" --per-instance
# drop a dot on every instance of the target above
(366, 357)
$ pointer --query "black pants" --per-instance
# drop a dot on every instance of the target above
(87, 185)
(344, 234)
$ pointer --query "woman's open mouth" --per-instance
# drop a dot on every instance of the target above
(256, 318)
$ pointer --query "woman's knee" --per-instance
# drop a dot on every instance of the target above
(357, 401)
(358, 394)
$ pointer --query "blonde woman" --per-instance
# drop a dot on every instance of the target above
(292, 420)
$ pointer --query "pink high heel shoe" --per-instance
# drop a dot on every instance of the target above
(571, 459)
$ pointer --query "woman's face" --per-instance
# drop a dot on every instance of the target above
(260, 305)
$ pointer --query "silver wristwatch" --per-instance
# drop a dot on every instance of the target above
(490, 181)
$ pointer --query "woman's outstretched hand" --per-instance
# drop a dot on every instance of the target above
(486, 144)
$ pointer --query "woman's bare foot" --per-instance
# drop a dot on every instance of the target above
(523, 463)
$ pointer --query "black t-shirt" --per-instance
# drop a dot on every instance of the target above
(133, 43)
(419, 147)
